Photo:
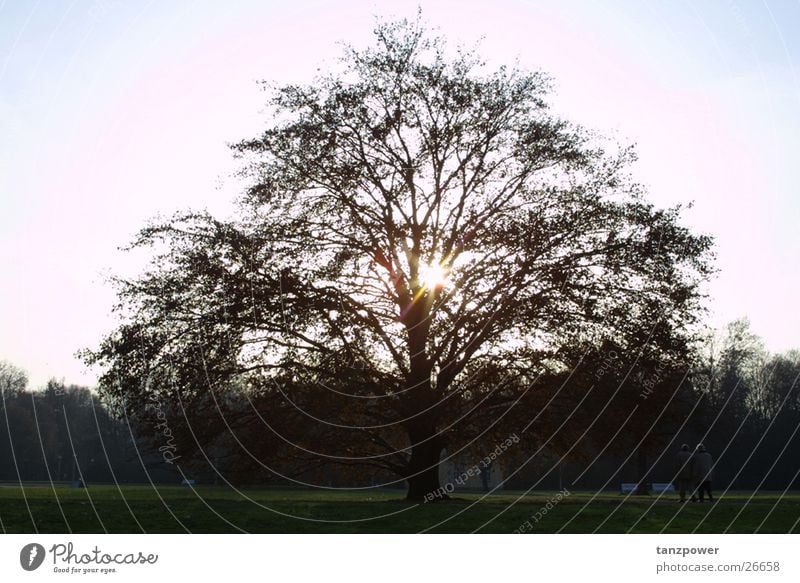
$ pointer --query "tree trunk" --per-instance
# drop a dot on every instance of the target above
(423, 468)
(421, 401)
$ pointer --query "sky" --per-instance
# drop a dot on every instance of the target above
(116, 112)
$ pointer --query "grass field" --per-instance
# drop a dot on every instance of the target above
(207, 509)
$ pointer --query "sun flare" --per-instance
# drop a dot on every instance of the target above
(433, 276)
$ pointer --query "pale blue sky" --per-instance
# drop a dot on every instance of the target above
(112, 112)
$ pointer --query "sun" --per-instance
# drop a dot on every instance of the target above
(433, 276)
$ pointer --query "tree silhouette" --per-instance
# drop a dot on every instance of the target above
(420, 239)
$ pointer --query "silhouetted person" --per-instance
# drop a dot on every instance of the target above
(683, 471)
(701, 470)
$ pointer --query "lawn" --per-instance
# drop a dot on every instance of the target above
(208, 509)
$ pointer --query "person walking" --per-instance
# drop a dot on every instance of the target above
(702, 462)
(683, 472)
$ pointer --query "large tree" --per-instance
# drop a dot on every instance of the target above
(422, 242)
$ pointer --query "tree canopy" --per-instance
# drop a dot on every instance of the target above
(422, 255)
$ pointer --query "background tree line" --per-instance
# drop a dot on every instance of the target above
(737, 398)
(63, 433)
(741, 401)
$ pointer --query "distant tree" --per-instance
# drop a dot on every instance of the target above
(779, 453)
(732, 370)
(781, 391)
(13, 380)
(14, 419)
(750, 409)
(421, 241)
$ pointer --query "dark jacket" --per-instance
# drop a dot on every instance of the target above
(683, 465)
(701, 466)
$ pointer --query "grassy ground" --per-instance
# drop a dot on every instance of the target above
(169, 509)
